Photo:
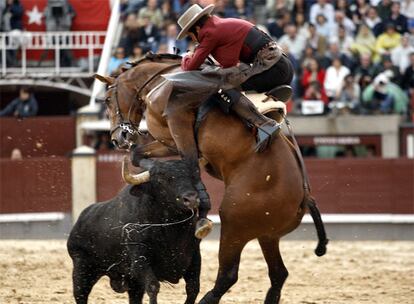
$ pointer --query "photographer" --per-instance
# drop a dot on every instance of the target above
(59, 15)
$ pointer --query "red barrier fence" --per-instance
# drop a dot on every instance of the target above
(35, 185)
(340, 186)
(37, 136)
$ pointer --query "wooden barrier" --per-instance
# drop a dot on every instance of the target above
(37, 136)
(35, 185)
(351, 186)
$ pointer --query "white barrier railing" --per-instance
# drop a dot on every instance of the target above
(48, 41)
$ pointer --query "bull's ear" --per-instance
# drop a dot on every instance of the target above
(105, 79)
(146, 164)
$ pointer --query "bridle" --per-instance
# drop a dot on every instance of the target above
(127, 125)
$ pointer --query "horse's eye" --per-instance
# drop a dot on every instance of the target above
(107, 100)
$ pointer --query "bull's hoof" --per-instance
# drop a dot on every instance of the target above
(203, 228)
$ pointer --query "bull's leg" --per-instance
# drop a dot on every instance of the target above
(84, 276)
(192, 278)
(141, 270)
(229, 260)
(277, 270)
(181, 125)
(136, 293)
(152, 149)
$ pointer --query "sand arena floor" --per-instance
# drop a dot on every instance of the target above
(351, 272)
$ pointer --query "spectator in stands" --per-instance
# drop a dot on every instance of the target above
(293, 41)
(384, 9)
(335, 52)
(117, 60)
(59, 15)
(396, 18)
(388, 40)
(167, 12)
(407, 6)
(23, 106)
(388, 68)
(312, 73)
(401, 54)
(321, 8)
(335, 75)
(362, 7)
(162, 48)
(11, 16)
(148, 34)
(343, 40)
(131, 6)
(302, 25)
(174, 45)
(384, 97)
(343, 6)
(315, 92)
(277, 26)
(341, 20)
(323, 27)
(364, 42)
(259, 11)
(137, 53)
(373, 21)
(408, 77)
(348, 100)
(238, 9)
(365, 71)
(152, 12)
(316, 41)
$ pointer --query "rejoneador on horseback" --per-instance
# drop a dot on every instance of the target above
(249, 60)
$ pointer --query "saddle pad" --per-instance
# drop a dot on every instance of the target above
(268, 107)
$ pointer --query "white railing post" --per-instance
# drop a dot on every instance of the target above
(83, 179)
(4, 54)
(98, 86)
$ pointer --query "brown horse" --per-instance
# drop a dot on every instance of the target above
(264, 198)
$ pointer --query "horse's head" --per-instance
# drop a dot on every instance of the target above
(124, 110)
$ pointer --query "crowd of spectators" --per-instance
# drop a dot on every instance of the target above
(353, 55)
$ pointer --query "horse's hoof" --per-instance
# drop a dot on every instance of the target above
(203, 228)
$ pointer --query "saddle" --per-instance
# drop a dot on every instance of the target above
(273, 106)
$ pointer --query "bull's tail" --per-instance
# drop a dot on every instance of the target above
(320, 228)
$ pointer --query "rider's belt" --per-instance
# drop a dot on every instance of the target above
(255, 41)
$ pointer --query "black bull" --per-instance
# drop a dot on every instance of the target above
(106, 239)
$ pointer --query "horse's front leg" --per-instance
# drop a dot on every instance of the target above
(181, 124)
(152, 149)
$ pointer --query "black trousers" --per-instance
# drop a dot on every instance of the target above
(281, 73)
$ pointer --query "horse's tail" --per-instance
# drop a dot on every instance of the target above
(320, 228)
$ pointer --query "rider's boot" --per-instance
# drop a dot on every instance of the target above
(204, 225)
(267, 128)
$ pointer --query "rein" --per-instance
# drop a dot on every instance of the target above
(127, 125)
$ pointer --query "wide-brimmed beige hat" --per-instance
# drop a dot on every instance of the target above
(191, 16)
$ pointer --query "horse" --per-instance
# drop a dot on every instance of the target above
(266, 194)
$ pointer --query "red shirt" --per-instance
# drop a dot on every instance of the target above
(222, 38)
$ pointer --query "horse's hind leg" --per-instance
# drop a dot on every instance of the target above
(277, 270)
(229, 260)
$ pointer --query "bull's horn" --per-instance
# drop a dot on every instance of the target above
(133, 179)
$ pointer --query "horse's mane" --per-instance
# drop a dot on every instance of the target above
(151, 57)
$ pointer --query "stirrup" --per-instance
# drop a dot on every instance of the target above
(280, 93)
(265, 134)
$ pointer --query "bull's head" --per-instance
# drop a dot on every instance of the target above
(172, 180)
(123, 109)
